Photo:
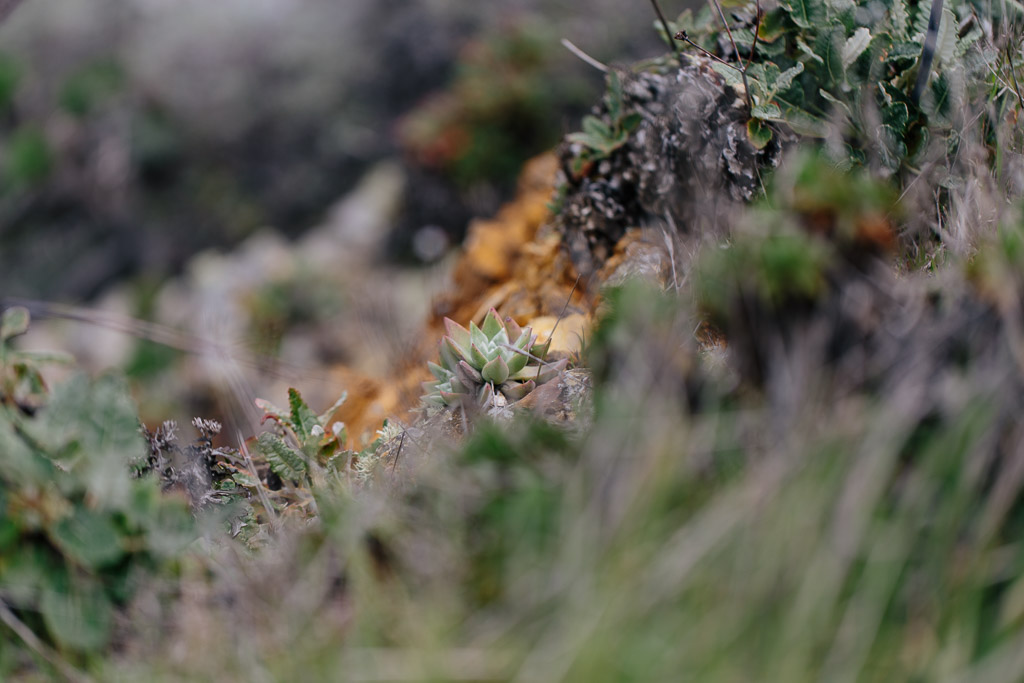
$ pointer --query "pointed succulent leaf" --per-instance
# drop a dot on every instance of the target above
(451, 398)
(540, 373)
(517, 362)
(437, 371)
(515, 391)
(433, 399)
(477, 336)
(467, 374)
(452, 353)
(540, 350)
(496, 371)
(513, 329)
(492, 324)
(478, 358)
(457, 332)
(500, 337)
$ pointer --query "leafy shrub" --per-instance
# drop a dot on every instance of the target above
(78, 535)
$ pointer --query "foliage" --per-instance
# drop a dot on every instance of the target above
(312, 441)
(482, 363)
(855, 63)
(601, 139)
(78, 535)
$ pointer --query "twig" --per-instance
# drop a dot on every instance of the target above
(568, 300)
(264, 498)
(682, 35)
(568, 45)
(1013, 75)
(736, 50)
(668, 31)
(399, 453)
(757, 27)
(32, 640)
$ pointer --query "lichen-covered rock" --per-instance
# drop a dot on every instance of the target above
(688, 158)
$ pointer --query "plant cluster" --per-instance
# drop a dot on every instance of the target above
(600, 138)
(481, 364)
(78, 534)
(807, 63)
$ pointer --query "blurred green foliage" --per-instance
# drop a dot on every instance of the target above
(78, 535)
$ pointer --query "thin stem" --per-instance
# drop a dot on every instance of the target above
(743, 68)
(20, 629)
(566, 306)
(584, 56)
(668, 31)
(685, 38)
(718, 6)
(757, 27)
(1013, 75)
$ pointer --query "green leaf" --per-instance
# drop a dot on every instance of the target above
(14, 322)
(836, 101)
(595, 127)
(828, 47)
(80, 618)
(629, 123)
(897, 117)
(284, 461)
(477, 357)
(945, 42)
(731, 75)
(807, 50)
(303, 419)
(898, 17)
(807, 14)
(759, 133)
(613, 99)
(598, 144)
(785, 79)
(89, 538)
(492, 324)
(855, 46)
(805, 123)
(517, 362)
(495, 371)
(768, 111)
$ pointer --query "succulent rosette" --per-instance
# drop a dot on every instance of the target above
(498, 358)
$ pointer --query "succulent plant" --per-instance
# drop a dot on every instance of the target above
(495, 362)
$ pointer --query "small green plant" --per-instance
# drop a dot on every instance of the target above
(306, 442)
(21, 382)
(482, 363)
(77, 532)
(601, 139)
(806, 62)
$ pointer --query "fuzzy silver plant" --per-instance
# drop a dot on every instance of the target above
(497, 359)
